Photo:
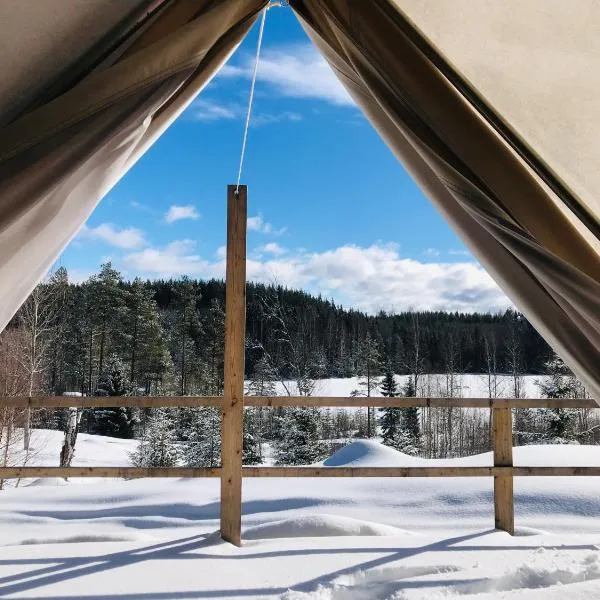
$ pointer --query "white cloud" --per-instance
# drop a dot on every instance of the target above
(127, 238)
(178, 213)
(434, 252)
(257, 223)
(175, 259)
(296, 71)
(207, 111)
(273, 248)
(203, 109)
(271, 118)
(369, 278)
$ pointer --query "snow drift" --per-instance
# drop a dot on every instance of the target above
(306, 538)
(319, 526)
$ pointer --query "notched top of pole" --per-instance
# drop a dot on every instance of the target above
(237, 190)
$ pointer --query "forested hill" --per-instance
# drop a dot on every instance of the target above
(168, 335)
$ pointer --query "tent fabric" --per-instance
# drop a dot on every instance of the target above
(41, 40)
(536, 63)
(542, 255)
(59, 159)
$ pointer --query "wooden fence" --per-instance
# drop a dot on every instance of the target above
(231, 472)
(233, 401)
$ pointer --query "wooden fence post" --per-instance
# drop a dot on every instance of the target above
(504, 509)
(232, 419)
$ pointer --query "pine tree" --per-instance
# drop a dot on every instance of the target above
(561, 425)
(368, 368)
(148, 355)
(107, 311)
(408, 436)
(388, 385)
(185, 329)
(252, 447)
(262, 379)
(560, 383)
(300, 443)
(317, 366)
(327, 424)
(342, 366)
(203, 445)
(411, 415)
(389, 419)
(213, 326)
(61, 295)
(114, 422)
(74, 343)
(113, 381)
(262, 383)
(342, 423)
(404, 442)
(157, 446)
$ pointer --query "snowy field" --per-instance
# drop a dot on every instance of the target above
(470, 386)
(305, 539)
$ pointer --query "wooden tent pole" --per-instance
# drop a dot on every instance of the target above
(232, 420)
(504, 509)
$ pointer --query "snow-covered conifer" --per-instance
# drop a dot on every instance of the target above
(157, 447)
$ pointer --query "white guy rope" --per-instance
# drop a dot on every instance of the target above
(250, 100)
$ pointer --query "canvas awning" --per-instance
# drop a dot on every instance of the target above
(87, 87)
(492, 106)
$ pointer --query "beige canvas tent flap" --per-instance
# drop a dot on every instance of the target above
(543, 255)
(458, 93)
(58, 157)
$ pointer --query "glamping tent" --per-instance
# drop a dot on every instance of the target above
(491, 106)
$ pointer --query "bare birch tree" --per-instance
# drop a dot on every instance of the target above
(37, 319)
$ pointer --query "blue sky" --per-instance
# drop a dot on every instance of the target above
(331, 210)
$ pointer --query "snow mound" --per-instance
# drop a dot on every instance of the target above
(368, 453)
(320, 526)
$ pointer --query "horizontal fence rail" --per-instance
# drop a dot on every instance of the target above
(283, 401)
(158, 472)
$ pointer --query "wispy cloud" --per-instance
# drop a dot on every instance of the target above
(273, 248)
(174, 259)
(127, 238)
(368, 278)
(433, 252)
(179, 213)
(258, 224)
(207, 110)
(271, 118)
(295, 71)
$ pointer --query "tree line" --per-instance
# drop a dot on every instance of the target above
(169, 335)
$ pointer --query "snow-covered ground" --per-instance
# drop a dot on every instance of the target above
(306, 539)
(470, 386)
